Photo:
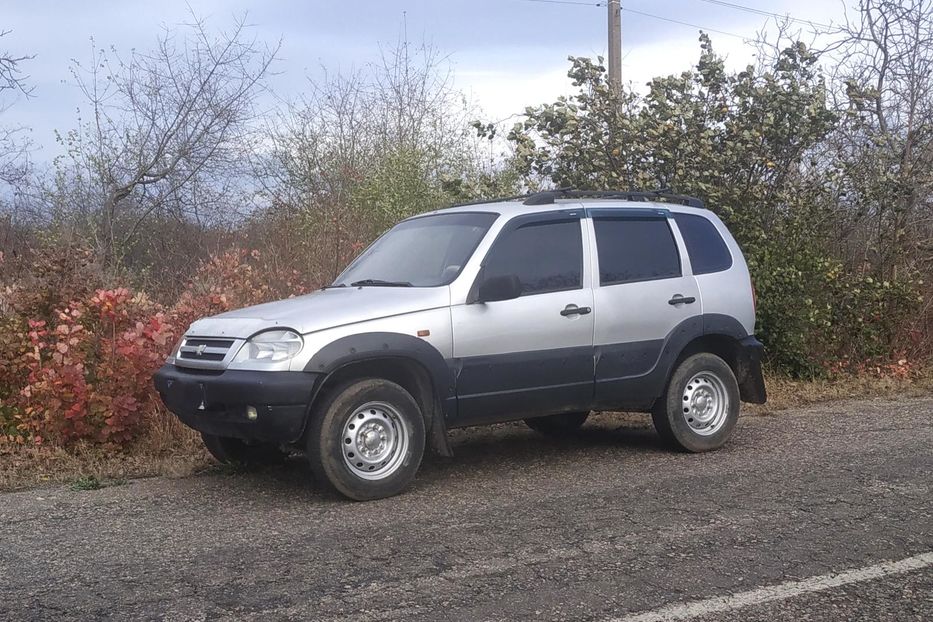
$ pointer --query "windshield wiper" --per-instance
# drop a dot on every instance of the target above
(335, 285)
(380, 283)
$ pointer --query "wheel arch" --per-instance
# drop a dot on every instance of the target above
(727, 338)
(724, 346)
(412, 363)
(734, 351)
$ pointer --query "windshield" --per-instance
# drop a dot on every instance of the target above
(421, 252)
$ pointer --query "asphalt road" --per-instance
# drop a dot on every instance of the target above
(820, 513)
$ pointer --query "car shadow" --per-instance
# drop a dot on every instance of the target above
(481, 450)
(503, 446)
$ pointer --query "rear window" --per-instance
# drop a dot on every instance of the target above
(635, 249)
(708, 252)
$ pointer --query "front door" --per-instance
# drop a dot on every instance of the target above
(532, 355)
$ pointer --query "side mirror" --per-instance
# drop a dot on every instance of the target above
(506, 287)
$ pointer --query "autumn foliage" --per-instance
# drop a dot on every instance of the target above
(76, 361)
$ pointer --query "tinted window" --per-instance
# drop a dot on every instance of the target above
(546, 257)
(708, 252)
(635, 249)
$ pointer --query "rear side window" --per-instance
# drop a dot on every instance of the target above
(635, 249)
(546, 257)
(708, 252)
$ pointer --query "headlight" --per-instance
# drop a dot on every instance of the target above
(175, 349)
(271, 346)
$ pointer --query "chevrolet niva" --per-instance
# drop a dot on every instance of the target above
(543, 308)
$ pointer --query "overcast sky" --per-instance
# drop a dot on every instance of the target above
(506, 54)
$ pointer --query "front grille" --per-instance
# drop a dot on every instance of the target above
(204, 349)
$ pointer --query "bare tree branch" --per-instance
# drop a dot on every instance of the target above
(11, 75)
(163, 121)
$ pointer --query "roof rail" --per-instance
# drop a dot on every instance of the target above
(517, 197)
(664, 195)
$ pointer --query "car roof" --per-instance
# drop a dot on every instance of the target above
(510, 209)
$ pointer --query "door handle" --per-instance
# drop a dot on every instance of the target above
(574, 310)
(681, 300)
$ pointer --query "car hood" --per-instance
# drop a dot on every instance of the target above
(323, 309)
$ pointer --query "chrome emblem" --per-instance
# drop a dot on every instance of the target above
(201, 349)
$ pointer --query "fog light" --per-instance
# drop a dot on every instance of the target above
(251, 413)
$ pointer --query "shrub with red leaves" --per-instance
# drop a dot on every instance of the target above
(76, 363)
(88, 377)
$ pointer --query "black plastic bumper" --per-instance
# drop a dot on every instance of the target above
(216, 403)
(751, 380)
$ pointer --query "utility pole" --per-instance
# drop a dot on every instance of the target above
(615, 46)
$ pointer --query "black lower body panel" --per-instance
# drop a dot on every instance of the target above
(631, 376)
(501, 387)
(217, 403)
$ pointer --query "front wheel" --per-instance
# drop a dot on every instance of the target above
(367, 439)
(700, 406)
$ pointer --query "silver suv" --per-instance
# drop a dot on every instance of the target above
(542, 308)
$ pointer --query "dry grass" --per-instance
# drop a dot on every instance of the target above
(784, 393)
(171, 449)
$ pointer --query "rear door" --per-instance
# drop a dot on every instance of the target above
(534, 354)
(643, 300)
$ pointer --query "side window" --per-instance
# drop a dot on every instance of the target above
(546, 256)
(635, 249)
(708, 252)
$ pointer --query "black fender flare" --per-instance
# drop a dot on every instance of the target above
(380, 345)
(705, 325)
(747, 355)
(719, 324)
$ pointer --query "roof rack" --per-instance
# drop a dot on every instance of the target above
(517, 197)
(549, 196)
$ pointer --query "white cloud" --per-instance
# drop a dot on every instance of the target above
(502, 93)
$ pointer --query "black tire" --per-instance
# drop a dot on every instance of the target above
(240, 453)
(675, 413)
(330, 440)
(557, 425)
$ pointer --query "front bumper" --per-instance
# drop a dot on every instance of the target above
(748, 371)
(216, 403)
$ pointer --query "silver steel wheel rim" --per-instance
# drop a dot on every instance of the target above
(374, 441)
(705, 404)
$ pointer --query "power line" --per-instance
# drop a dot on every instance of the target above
(748, 9)
(643, 13)
(567, 2)
(677, 21)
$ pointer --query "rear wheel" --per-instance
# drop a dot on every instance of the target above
(557, 425)
(700, 407)
(367, 439)
(238, 452)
